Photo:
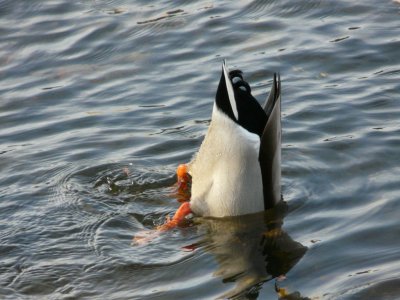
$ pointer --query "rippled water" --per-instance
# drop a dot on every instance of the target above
(101, 100)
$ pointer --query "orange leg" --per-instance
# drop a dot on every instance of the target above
(183, 184)
(178, 218)
(183, 177)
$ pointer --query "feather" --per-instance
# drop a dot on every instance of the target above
(270, 147)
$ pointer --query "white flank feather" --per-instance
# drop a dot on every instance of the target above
(226, 175)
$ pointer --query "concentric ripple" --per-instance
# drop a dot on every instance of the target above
(101, 100)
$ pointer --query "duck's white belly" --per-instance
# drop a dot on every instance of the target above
(226, 174)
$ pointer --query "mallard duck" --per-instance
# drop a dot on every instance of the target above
(237, 168)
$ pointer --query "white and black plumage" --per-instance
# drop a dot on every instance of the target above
(237, 168)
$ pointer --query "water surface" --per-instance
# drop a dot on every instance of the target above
(101, 100)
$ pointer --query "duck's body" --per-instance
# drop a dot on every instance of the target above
(226, 174)
(237, 168)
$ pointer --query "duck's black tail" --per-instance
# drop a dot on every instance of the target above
(234, 98)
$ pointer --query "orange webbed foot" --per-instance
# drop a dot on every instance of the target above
(184, 179)
(144, 237)
(183, 184)
(179, 218)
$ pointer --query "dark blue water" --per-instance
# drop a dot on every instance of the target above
(101, 100)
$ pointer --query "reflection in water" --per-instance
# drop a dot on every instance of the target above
(284, 295)
(251, 250)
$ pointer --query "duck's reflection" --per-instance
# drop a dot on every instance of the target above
(251, 249)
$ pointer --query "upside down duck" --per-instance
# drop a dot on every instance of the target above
(237, 168)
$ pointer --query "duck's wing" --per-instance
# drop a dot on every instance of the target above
(273, 95)
(270, 147)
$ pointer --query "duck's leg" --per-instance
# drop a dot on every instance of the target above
(178, 218)
(183, 189)
(144, 237)
(183, 183)
(184, 178)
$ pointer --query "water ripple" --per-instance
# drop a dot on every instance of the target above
(101, 100)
